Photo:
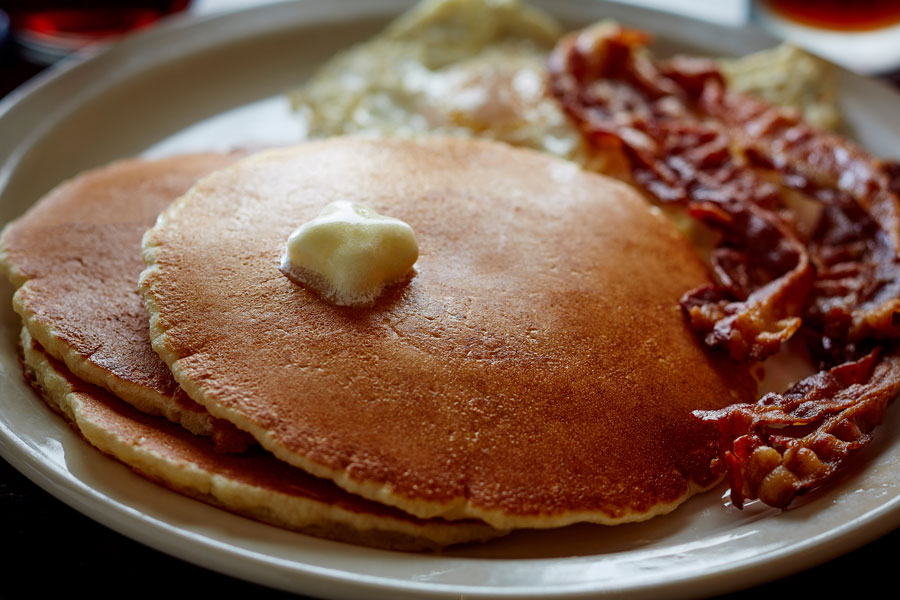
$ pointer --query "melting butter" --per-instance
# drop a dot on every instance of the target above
(349, 253)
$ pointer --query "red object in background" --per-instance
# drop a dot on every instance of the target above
(45, 31)
(844, 15)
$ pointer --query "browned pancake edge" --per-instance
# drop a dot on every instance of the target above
(75, 259)
(254, 484)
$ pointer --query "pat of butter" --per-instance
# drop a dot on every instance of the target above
(350, 253)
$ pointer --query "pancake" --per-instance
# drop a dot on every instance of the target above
(535, 371)
(75, 259)
(252, 484)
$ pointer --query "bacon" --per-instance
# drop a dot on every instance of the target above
(727, 158)
(754, 326)
(855, 246)
(623, 101)
(787, 444)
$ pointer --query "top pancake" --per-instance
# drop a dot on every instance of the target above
(75, 257)
(536, 371)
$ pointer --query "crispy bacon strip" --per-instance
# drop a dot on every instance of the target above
(725, 156)
(856, 245)
(787, 444)
(622, 100)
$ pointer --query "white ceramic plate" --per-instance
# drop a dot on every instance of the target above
(215, 83)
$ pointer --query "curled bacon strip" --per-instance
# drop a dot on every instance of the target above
(786, 444)
(855, 246)
(624, 101)
(726, 157)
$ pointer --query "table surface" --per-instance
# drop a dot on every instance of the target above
(53, 548)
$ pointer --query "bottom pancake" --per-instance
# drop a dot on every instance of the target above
(74, 257)
(255, 484)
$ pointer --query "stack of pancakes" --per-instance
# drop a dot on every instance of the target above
(535, 371)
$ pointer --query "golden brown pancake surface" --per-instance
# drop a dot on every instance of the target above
(75, 258)
(253, 484)
(535, 371)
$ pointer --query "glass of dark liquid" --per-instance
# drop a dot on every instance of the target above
(46, 30)
(841, 15)
(862, 35)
